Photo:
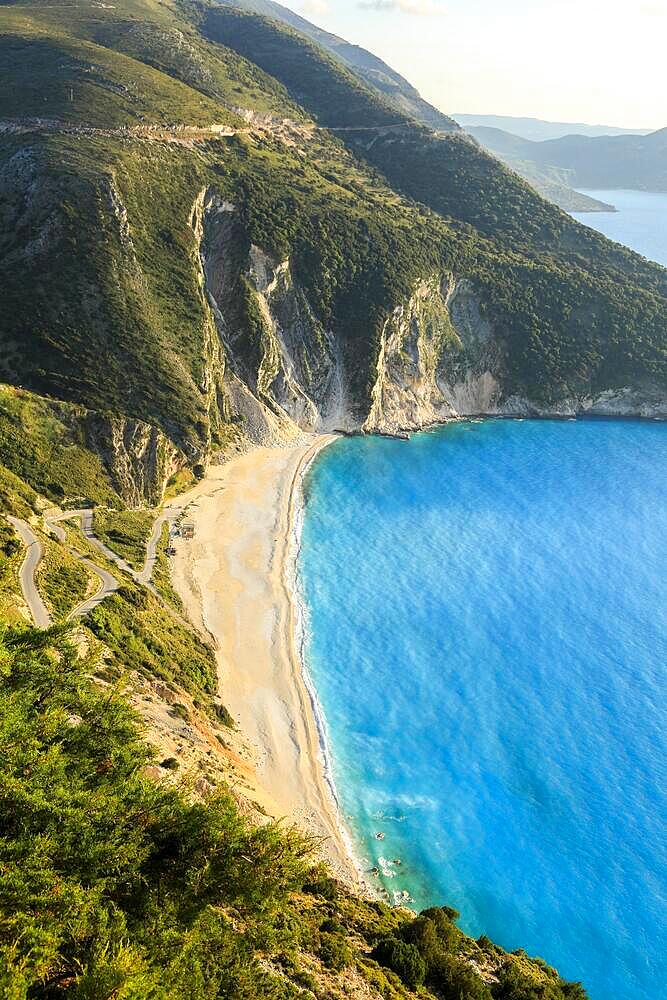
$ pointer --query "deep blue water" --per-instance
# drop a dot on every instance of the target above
(488, 642)
(640, 222)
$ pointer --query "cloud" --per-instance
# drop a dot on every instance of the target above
(654, 9)
(422, 8)
(315, 7)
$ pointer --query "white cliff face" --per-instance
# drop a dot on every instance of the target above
(282, 372)
(440, 359)
(275, 372)
(139, 457)
(437, 360)
(406, 394)
(470, 376)
(300, 370)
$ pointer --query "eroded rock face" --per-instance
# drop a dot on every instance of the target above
(139, 457)
(279, 372)
(438, 360)
(647, 401)
(283, 374)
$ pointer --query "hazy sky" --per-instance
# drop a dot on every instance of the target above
(596, 61)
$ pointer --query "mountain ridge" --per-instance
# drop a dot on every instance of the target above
(369, 67)
(637, 162)
(213, 236)
(407, 205)
(538, 129)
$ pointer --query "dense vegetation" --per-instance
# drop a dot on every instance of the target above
(63, 579)
(113, 216)
(114, 886)
(143, 636)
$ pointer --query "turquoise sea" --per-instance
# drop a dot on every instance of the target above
(640, 222)
(487, 636)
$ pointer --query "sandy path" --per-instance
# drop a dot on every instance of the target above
(234, 579)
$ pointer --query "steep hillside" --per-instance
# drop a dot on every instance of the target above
(372, 70)
(553, 183)
(213, 233)
(520, 243)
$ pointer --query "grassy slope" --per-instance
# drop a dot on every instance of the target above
(42, 442)
(63, 581)
(11, 557)
(126, 532)
(112, 885)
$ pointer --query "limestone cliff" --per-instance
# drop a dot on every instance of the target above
(281, 372)
(276, 370)
(438, 359)
(139, 457)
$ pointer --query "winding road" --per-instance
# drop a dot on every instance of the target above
(108, 584)
(33, 557)
(167, 516)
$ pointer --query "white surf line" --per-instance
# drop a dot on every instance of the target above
(32, 559)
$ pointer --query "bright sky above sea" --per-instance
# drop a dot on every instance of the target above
(593, 61)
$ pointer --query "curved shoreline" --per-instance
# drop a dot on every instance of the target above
(287, 560)
(286, 554)
(238, 580)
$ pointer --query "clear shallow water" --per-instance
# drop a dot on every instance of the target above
(487, 639)
(640, 222)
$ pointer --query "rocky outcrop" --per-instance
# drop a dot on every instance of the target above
(438, 359)
(282, 373)
(406, 394)
(278, 371)
(647, 401)
(300, 371)
(139, 457)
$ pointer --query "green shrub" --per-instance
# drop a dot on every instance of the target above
(453, 979)
(334, 952)
(403, 959)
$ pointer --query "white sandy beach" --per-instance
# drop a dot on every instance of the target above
(235, 578)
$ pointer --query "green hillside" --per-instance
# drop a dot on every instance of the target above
(569, 302)
(114, 886)
(208, 222)
(631, 161)
(372, 70)
(111, 210)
